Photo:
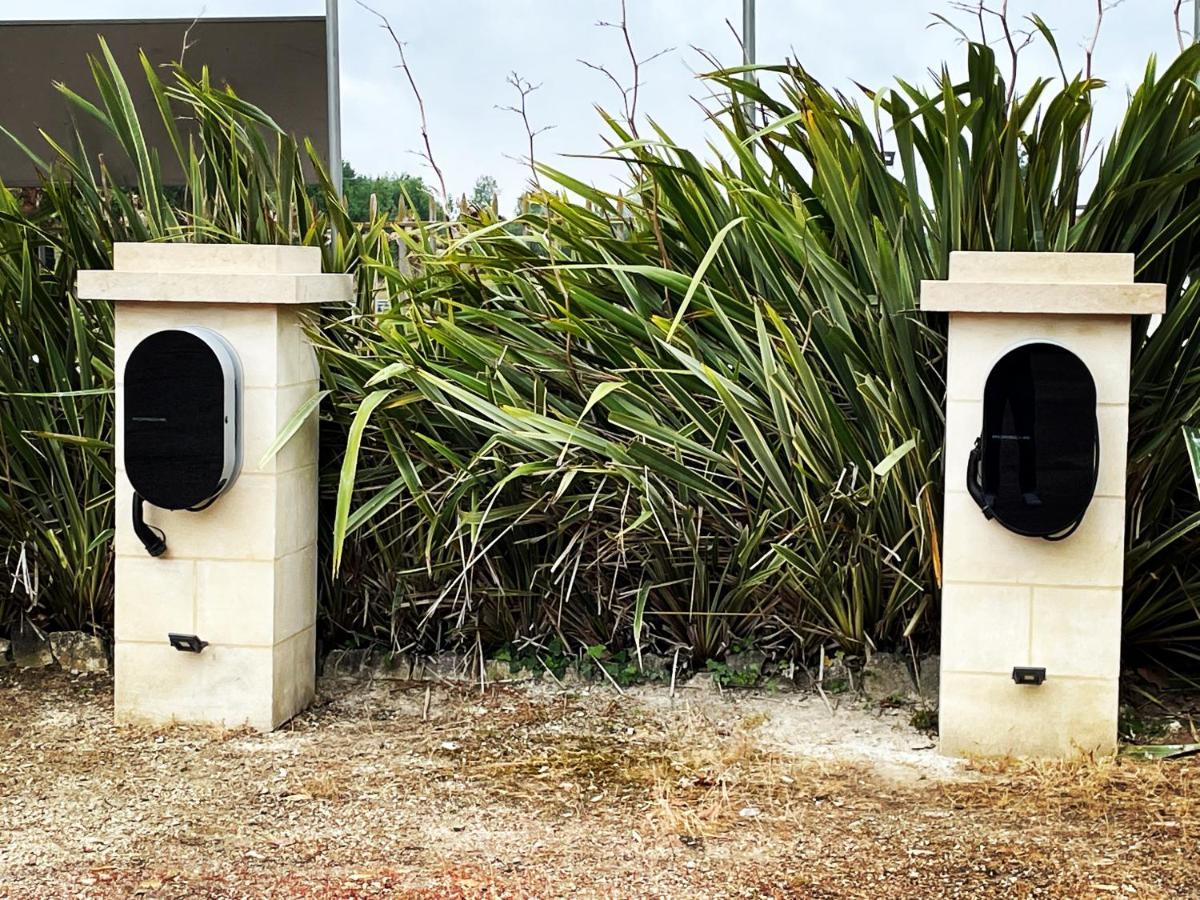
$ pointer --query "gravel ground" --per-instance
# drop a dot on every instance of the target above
(392, 789)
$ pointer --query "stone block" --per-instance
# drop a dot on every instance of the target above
(30, 649)
(747, 663)
(240, 525)
(77, 652)
(977, 550)
(301, 449)
(210, 259)
(295, 360)
(1041, 268)
(886, 676)
(1077, 631)
(346, 661)
(929, 677)
(504, 670)
(295, 592)
(985, 627)
(1098, 299)
(964, 422)
(657, 668)
(266, 411)
(154, 597)
(1112, 423)
(976, 342)
(989, 715)
(260, 425)
(251, 330)
(295, 524)
(293, 676)
(236, 601)
(231, 687)
(442, 667)
(232, 289)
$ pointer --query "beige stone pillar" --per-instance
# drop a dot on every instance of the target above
(1009, 600)
(242, 573)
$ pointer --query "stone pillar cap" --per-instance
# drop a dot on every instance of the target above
(1033, 283)
(214, 273)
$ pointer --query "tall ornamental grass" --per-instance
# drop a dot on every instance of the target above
(698, 413)
(243, 181)
(705, 412)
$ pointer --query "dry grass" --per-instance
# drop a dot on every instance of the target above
(1098, 788)
(528, 793)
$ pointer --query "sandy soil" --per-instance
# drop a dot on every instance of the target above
(384, 790)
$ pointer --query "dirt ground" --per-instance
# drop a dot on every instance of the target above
(384, 790)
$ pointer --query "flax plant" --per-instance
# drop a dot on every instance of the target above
(243, 181)
(708, 402)
(700, 412)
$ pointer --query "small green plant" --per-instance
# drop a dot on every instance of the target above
(836, 685)
(835, 673)
(726, 676)
(924, 718)
(1134, 726)
(620, 668)
(552, 658)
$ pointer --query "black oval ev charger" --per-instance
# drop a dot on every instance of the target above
(183, 423)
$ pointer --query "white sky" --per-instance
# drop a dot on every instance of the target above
(461, 52)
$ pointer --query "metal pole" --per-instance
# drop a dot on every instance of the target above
(1195, 21)
(334, 84)
(748, 32)
(748, 51)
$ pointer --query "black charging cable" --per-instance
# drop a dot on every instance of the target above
(152, 538)
(211, 500)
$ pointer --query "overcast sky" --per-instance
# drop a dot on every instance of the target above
(461, 52)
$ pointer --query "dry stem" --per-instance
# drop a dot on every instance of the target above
(427, 154)
(524, 89)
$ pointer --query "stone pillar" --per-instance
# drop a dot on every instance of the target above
(241, 574)
(1009, 600)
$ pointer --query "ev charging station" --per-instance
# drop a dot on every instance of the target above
(1033, 548)
(183, 423)
(215, 539)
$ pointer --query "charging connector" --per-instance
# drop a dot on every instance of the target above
(152, 538)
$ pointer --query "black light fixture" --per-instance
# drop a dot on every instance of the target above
(1030, 675)
(186, 643)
